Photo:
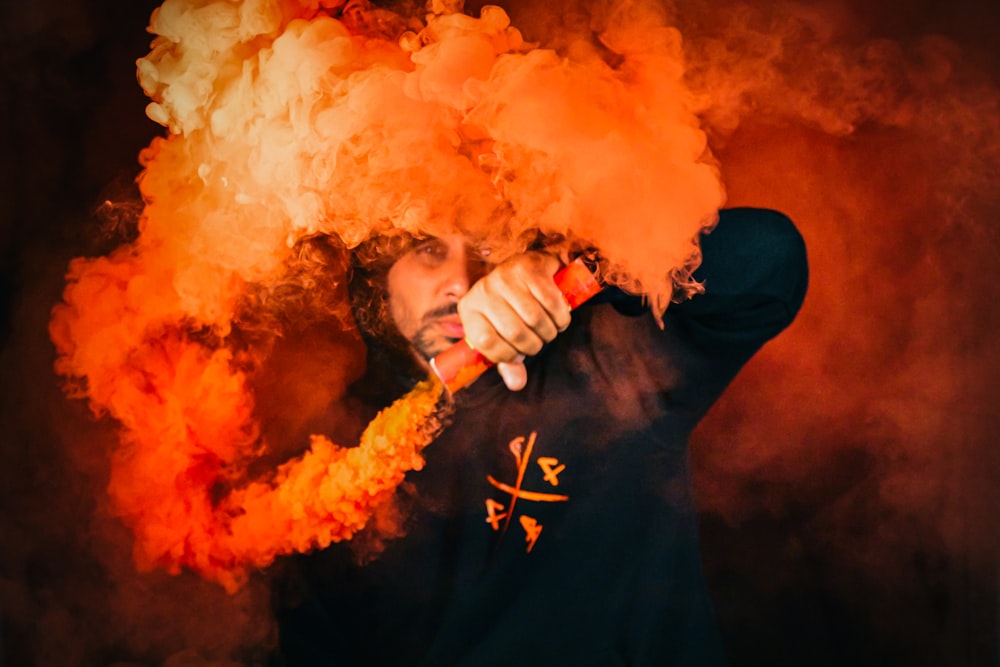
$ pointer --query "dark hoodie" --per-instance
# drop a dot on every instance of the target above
(556, 525)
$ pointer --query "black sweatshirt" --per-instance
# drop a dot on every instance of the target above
(556, 525)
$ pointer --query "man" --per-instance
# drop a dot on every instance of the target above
(554, 524)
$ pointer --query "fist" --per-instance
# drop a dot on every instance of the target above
(513, 311)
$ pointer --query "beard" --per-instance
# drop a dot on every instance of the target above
(425, 341)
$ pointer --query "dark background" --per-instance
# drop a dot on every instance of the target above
(848, 478)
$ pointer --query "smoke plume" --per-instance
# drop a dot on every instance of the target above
(284, 124)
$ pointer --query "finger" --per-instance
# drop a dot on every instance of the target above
(534, 295)
(516, 309)
(530, 293)
(517, 316)
(556, 307)
(548, 294)
(514, 373)
(483, 337)
(493, 326)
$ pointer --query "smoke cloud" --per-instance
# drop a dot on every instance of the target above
(285, 122)
(847, 479)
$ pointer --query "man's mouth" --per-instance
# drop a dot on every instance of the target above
(451, 327)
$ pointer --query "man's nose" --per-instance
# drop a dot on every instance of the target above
(456, 280)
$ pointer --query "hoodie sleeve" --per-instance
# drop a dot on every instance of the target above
(755, 273)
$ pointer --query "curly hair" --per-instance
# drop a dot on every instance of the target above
(393, 368)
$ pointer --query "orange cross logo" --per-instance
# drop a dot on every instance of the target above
(551, 468)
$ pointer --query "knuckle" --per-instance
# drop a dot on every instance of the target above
(523, 265)
(481, 340)
(544, 260)
(528, 263)
(506, 354)
(490, 290)
(533, 346)
(498, 351)
(512, 275)
(538, 320)
(526, 342)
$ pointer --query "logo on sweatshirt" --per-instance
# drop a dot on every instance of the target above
(499, 515)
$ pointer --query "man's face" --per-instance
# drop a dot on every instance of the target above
(424, 287)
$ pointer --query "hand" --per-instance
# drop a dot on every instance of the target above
(513, 311)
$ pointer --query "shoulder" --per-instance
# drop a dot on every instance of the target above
(765, 235)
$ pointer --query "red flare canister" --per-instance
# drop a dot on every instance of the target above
(459, 365)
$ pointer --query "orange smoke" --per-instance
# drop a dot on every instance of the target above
(331, 493)
(286, 123)
(188, 420)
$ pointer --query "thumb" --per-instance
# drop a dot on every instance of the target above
(513, 373)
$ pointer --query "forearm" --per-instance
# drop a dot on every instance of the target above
(754, 271)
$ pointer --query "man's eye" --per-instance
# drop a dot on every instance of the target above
(432, 251)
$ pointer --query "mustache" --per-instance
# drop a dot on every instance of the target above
(446, 310)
